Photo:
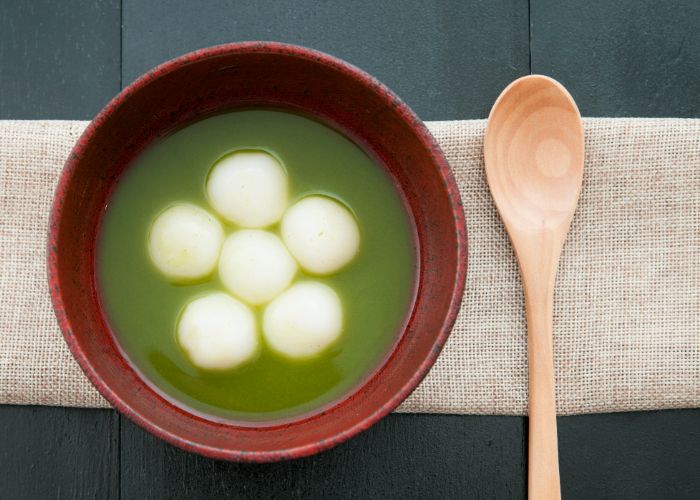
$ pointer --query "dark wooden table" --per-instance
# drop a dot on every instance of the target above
(448, 60)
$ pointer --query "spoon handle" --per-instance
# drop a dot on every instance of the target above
(543, 457)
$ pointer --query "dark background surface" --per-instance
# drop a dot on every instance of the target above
(448, 60)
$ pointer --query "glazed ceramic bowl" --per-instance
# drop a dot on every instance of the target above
(242, 76)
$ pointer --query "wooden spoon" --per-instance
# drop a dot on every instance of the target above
(533, 152)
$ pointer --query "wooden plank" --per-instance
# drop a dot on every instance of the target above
(623, 58)
(442, 58)
(631, 455)
(58, 60)
(616, 456)
(446, 59)
(403, 456)
(49, 452)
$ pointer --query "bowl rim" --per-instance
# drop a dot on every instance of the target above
(422, 133)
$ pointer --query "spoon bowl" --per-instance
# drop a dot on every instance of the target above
(533, 152)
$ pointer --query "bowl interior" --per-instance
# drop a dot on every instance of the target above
(242, 76)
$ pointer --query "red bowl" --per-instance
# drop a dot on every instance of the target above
(224, 78)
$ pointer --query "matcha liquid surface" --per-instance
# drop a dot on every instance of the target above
(142, 307)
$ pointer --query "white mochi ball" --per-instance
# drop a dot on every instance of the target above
(248, 188)
(255, 265)
(218, 332)
(303, 321)
(321, 234)
(184, 242)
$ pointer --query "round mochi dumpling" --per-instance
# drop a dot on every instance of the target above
(218, 332)
(256, 266)
(184, 242)
(321, 234)
(248, 188)
(303, 321)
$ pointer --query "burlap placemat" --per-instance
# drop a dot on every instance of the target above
(627, 305)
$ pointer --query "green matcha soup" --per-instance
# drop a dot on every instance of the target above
(323, 167)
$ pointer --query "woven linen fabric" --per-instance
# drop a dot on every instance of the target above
(627, 301)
